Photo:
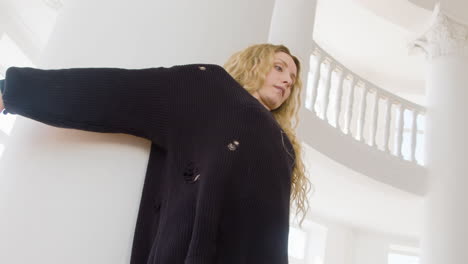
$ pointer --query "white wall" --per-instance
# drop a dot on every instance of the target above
(155, 33)
(340, 242)
(83, 198)
(346, 244)
(373, 248)
(68, 196)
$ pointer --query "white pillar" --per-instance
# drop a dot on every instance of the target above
(68, 196)
(292, 24)
(446, 210)
(150, 33)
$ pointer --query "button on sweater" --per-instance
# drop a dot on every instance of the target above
(218, 182)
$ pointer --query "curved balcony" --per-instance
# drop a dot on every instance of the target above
(362, 126)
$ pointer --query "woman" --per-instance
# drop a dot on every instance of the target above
(224, 159)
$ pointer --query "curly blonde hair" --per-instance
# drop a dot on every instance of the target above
(249, 67)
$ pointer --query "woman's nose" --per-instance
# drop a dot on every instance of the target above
(287, 80)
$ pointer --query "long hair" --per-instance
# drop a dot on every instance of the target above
(249, 68)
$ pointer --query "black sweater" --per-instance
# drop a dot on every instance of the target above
(217, 188)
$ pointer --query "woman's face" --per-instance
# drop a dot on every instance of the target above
(278, 83)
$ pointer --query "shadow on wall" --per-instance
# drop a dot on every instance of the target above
(426, 4)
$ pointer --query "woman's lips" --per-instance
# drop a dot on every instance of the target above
(279, 88)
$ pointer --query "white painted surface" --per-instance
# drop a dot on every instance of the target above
(69, 196)
(361, 158)
(346, 196)
(352, 113)
(372, 248)
(446, 209)
(348, 244)
(292, 24)
(340, 243)
(371, 37)
(445, 233)
(341, 193)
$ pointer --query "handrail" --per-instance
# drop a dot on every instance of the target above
(393, 125)
(383, 92)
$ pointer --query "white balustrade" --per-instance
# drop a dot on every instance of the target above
(387, 122)
(326, 94)
(375, 116)
(338, 98)
(311, 95)
(414, 132)
(362, 114)
(399, 138)
(349, 106)
(339, 80)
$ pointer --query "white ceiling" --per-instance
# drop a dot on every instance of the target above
(371, 37)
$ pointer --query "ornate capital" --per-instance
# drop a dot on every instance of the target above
(54, 4)
(444, 36)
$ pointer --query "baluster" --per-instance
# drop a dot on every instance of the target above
(326, 93)
(312, 93)
(401, 126)
(414, 133)
(375, 116)
(388, 117)
(349, 111)
(362, 113)
(338, 98)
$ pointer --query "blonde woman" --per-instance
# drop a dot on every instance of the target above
(225, 164)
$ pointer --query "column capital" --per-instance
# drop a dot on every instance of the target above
(54, 4)
(443, 36)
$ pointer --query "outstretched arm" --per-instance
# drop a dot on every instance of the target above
(1, 97)
(109, 100)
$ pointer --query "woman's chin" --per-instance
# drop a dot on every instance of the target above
(275, 106)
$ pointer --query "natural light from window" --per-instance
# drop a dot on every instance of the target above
(297, 243)
(396, 258)
(403, 254)
(307, 244)
(406, 146)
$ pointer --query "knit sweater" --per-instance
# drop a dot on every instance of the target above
(218, 182)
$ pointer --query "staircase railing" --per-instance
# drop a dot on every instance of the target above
(363, 110)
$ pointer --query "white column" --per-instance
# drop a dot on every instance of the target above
(68, 196)
(292, 24)
(445, 233)
(151, 33)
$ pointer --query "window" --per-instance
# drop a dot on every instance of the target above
(307, 245)
(297, 243)
(406, 145)
(397, 258)
(399, 254)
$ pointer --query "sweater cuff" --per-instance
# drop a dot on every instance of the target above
(2, 85)
(2, 92)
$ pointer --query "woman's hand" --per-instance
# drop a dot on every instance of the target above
(1, 103)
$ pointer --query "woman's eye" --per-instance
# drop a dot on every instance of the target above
(278, 68)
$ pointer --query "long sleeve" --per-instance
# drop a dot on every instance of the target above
(111, 100)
